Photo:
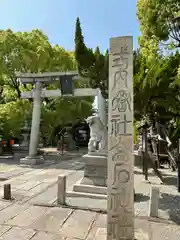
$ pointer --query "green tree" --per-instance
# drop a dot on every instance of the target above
(91, 64)
(155, 17)
(32, 52)
(156, 89)
(53, 115)
(12, 117)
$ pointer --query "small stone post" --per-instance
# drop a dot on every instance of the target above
(154, 202)
(120, 210)
(61, 192)
(7, 191)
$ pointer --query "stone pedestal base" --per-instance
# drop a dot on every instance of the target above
(95, 171)
(94, 182)
(24, 147)
(32, 160)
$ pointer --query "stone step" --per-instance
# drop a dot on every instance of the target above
(85, 195)
(89, 189)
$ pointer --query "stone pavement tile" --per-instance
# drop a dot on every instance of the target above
(101, 234)
(34, 172)
(11, 211)
(20, 195)
(4, 229)
(47, 196)
(28, 185)
(46, 175)
(27, 176)
(165, 231)
(52, 220)
(4, 204)
(49, 179)
(15, 182)
(142, 225)
(142, 229)
(47, 236)
(78, 224)
(40, 187)
(16, 233)
(100, 222)
(14, 173)
(26, 218)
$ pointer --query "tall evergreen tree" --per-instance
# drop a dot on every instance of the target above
(92, 64)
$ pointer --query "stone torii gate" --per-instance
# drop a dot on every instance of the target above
(66, 81)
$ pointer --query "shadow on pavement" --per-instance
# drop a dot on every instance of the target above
(170, 180)
(51, 162)
(171, 204)
(139, 197)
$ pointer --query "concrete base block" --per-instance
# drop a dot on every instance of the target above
(79, 187)
(24, 147)
(21, 154)
(95, 170)
(94, 182)
(32, 160)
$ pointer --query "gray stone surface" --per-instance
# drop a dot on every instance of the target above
(154, 202)
(120, 140)
(11, 212)
(27, 217)
(169, 202)
(94, 180)
(78, 224)
(15, 212)
(61, 190)
(78, 187)
(37, 185)
(32, 160)
(16, 233)
(37, 223)
(95, 170)
(4, 229)
(52, 220)
(85, 195)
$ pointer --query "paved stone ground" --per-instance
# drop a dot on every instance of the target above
(37, 185)
(25, 222)
(169, 202)
(21, 219)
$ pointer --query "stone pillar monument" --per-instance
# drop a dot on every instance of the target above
(120, 141)
(35, 128)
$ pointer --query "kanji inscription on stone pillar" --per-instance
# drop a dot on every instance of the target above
(120, 141)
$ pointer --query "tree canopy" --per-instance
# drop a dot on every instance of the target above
(32, 52)
(156, 89)
(155, 17)
(91, 63)
(157, 72)
(156, 86)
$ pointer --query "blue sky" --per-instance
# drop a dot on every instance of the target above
(100, 19)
